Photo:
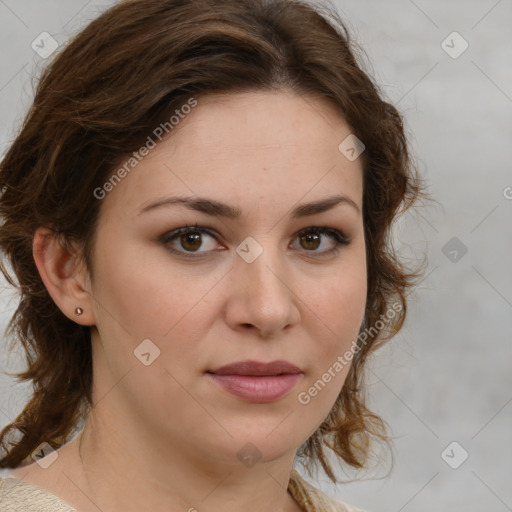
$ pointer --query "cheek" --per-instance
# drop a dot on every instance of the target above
(337, 302)
(339, 319)
(335, 316)
(145, 298)
(143, 291)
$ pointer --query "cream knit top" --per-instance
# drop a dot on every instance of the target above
(20, 496)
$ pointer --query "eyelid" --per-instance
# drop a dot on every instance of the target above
(335, 234)
(332, 232)
(174, 234)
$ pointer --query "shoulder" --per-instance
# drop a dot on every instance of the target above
(312, 499)
(16, 495)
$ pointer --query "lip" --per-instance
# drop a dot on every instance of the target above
(256, 381)
(257, 368)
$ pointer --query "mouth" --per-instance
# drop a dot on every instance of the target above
(257, 382)
(255, 368)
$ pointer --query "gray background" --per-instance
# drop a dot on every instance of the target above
(446, 377)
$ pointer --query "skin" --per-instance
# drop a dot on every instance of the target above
(164, 436)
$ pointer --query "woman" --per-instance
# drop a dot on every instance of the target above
(197, 210)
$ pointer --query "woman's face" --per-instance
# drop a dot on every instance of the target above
(258, 286)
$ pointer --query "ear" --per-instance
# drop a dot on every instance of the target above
(64, 276)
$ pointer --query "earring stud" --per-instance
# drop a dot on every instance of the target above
(78, 311)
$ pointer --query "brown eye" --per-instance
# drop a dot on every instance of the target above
(191, 242)
(312, 239)
(310, 242)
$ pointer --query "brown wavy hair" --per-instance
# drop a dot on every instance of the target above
(99, 99)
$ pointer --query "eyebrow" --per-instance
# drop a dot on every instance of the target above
(218, 209)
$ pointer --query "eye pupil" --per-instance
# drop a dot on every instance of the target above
(191, 240)
(308, 238)
(195, 241)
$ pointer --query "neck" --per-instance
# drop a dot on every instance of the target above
(122, 469)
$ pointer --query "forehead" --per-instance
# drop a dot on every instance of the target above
(247, 146)
(260, 120)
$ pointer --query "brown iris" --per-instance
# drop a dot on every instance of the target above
(194, 239)
(310, 238)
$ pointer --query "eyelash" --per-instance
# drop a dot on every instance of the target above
(338, 237)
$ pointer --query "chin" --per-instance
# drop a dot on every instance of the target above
(248, 446)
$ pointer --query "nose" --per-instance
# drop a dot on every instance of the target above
(261, 295)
